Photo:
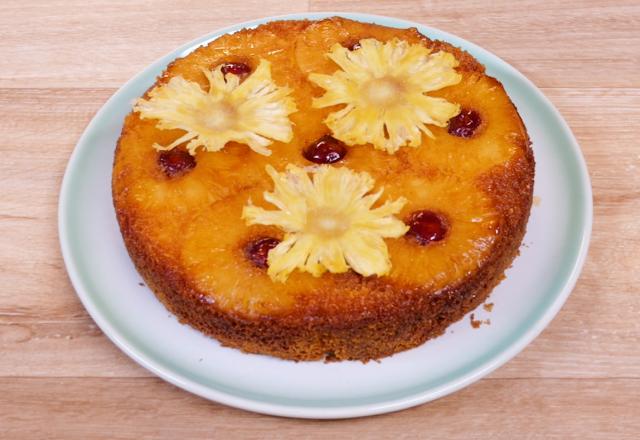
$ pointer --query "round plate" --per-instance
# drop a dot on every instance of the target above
(535, 288)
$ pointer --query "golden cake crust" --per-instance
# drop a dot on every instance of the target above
(347, 316)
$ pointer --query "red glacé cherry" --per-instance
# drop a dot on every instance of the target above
(426, 227)
(240, 69)
(352, 45)
(325, 150)
(176, 162)
(257, 251)
(465, 123)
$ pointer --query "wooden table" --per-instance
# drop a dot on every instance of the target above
(61, 378)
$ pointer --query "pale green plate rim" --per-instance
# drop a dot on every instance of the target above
(576, 249)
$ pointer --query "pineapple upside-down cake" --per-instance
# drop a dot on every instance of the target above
(323, 189)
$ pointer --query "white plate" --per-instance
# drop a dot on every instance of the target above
(536, 286)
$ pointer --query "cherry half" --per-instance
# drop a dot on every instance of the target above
(352, 45)
(257, 251)
(240, 69)
(426, 227)
(464, 124)
(325, 150)
(176, 162)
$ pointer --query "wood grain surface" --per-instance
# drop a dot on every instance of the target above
(61, 378)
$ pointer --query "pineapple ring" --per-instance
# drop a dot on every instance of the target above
(250, 112)
(330, 222)
(383, 87)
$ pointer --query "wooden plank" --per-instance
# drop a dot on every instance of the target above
(151, 409)
(41, 128)
(102, 44)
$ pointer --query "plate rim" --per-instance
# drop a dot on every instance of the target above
(321, 412)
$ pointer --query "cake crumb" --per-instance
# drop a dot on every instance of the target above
(536, 200)
(476, 323)
(488, 306)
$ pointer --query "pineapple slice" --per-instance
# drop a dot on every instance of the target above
(251, 112)
(383, 86)
(329, 222)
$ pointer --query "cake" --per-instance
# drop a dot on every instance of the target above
(323, 190)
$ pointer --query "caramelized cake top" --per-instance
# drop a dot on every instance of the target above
(464, 188)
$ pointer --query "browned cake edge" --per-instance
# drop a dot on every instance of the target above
(405, 324)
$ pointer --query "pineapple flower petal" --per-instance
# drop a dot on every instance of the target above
(382, 87)
(253, 112)
(330, 222)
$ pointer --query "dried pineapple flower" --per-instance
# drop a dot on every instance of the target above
(250, 112)
(383, 86)
(329, 220)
